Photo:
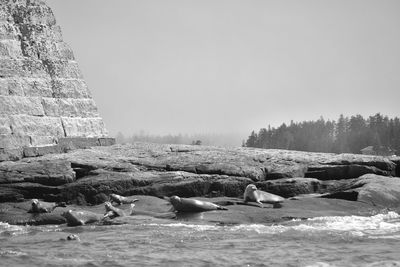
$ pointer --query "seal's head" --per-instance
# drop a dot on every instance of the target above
(249, 192)
(35, 202)
(175, 200)
(35, 206)
(251, 188)
(108, 206)
(73, 237)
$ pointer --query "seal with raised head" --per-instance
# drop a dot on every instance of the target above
(193, 205)
(251, 193)
(121, 200)
(112, 212)
(43, 207)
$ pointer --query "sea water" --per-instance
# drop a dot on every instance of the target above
(322, 241)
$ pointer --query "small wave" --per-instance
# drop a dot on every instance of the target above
(384, 264)
(321, 264)
(12, 253)
(9, 229)
(198, 227)
(377, 226)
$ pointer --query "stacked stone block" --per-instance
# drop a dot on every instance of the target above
(43, 97)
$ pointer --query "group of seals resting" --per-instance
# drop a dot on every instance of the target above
(74, 218)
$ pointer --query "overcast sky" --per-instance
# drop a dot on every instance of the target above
(218, 66)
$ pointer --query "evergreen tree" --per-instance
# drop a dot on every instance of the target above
(347, 135)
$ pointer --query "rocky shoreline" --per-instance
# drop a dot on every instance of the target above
(314, 184)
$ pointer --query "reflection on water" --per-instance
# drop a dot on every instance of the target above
(324, 241)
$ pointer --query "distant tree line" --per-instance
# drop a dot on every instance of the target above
(346, 135)
(226, 140)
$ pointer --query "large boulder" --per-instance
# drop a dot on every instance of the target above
(380, 191)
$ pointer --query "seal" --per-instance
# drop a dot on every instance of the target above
(121, 200)
(76, 218)
(73, 237)
(159, 215)
(43, 207)
(251, 193)
(112, 212)
(193, 205)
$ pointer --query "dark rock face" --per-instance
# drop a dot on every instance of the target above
(89, 176)
(396, 160)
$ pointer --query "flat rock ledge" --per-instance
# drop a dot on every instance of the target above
(315, 184)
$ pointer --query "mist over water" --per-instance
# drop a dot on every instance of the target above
(321, 241)
(207, 139)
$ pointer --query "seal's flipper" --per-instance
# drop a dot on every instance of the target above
(108, 214)
(172, 209)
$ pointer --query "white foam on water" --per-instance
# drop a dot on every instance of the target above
(377, 226)
(372, 226)
(12, 229)
(380, 224)
(321, 264)
(197, 227)
(384, 264)
(12, 253)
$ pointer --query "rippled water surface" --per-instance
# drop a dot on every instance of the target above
(325, 241)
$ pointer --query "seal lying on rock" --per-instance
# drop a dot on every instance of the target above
(76, 218)
(192, 205)
(121, 200)
(253, 194)
(43, 207)
(159, 215)
(112, 212)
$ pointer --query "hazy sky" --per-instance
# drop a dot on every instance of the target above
(217, 66)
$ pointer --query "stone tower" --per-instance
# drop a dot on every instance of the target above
(45, 105)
